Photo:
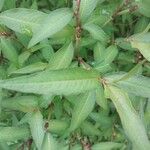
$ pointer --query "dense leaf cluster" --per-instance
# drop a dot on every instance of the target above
(74, 74)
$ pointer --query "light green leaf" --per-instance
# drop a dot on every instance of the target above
(9, 134)
(137, 85)
(110, 54)
(143, 7)
(106, 146)
(21, 103)
(47, 50)
(100, 97)
(66, 81)
(57, 126)
(84, 105)
(96, 32)
(142, 43)
(22, 20)
(141, 24)
(86, 8)
(53, 23)
(49, 142)
(1, 4)
(37, 128)
(131, 122)
(35, 67)
(62, 58)
(9, 50)
(99, 52)
(23, 57)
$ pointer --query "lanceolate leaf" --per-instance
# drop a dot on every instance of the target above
(1, 4)
(21, 19)
(84, 105)
(39, 66)
(107, 146)
(137, 85)
(86, 8)
(142, 43)
(131, 122)
(96, 32)
(62, 58)
(37, 128)
(49, 142)
(21, 103)
(9, 134)
(53, 23)
(9, 50)
(66, 81)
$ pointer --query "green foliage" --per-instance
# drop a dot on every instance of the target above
(74, 74)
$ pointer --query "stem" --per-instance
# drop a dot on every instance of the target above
(78, 29)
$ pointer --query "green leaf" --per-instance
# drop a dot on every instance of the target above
(35, 67)
(142, 43)
(9, 50)
(141, 24)
(86, 8)
(143, 7)
(23, 57)
(47, 50)
(1, 4)
(137, 85)
(90, 129)
(99, 52)
(50, 25)
(100, 97)
(37, 128)
(62, 58)
(110, 54)
(66, 81)
(96, 32)
(9, 134)
(131, 122)
(57, 126)
(49, 142)
(132, 72)
(22, 20)
(106, 146)
(21, 103)
(84, 105)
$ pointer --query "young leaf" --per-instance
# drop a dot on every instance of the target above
(50, 25)
(131, 122)
(49, 142)
(22, 20)
(37, 128)
(66, 81)
(84, 105)
(107, 146)
(96, 32)
(62, 58)
(86, 8)
(10, 134)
